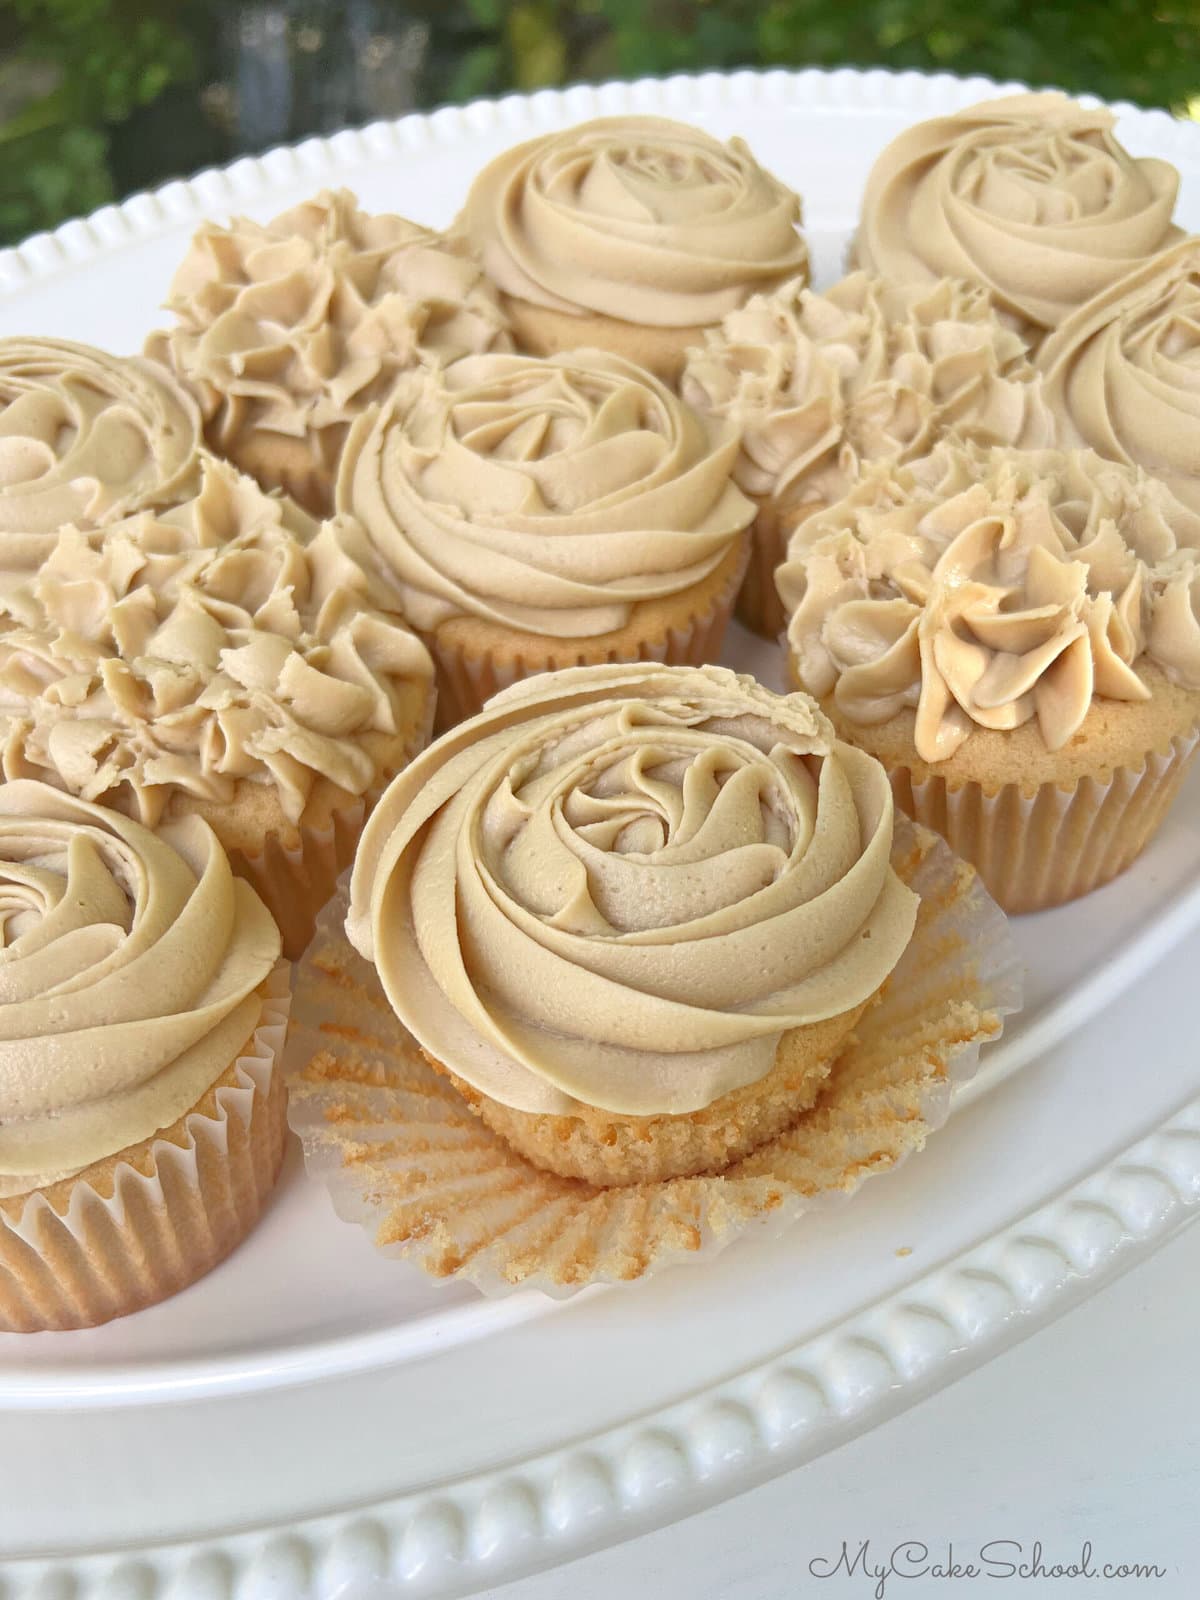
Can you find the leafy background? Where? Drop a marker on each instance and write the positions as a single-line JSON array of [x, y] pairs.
[[100, 97]]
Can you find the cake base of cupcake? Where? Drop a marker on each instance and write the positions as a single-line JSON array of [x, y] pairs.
[[475, 659], [138, 1226], [606, 1148], [759, 607], [1043, 827], [543, 331]]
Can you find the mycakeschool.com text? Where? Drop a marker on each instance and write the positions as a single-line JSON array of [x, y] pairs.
[[885, 1570]]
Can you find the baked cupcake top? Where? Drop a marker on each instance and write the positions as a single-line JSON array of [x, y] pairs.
[[639, 218], [548, 495], [294, 325], [987, 588], [621, 885], [129, 964], [226, 641], [1123, 374], [85, 438], [823, 385], [1030, 194]]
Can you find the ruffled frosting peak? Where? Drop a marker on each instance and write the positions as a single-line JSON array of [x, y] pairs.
[[639, 218], [1030, 195], [985, 589], [621, 885], [870, 373], [228, 640], [294, 325], [549, 495], [128, 969], [85, 438]]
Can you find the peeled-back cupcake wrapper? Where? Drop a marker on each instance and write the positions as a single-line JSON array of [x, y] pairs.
[[1040, 850], [168, 1219], [295, 875], [403, 1156], [466, 682]]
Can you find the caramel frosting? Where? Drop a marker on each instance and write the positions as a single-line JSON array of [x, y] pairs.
[[129, 965], [621, 885], [295, 325], [1124, 374], [984, 589], [223, 642], [1030, 195], [638, 218], [85, 438], [548, 495], [825, 385]]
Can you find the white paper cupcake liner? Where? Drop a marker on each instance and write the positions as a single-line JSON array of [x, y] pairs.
[[403, 1156], [80, 1253]]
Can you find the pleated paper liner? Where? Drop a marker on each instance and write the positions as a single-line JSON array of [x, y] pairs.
[[1040, 850], [403, 1156], [136, 1228]]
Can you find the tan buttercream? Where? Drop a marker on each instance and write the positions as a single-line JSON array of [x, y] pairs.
[[639, 218], [85, 438], [824, 385], [225, 641], [985, 589], [622, 885], [547, 495], [1030, 195], [129, 965]]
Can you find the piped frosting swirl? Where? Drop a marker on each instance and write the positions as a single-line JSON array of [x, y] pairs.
[[227, 640], [548, 495], [129, 965], [870, 373], [621, 885], [984, 589], [639, 218], [1030, 195]]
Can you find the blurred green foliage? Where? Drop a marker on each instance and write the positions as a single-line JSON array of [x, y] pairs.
[[85, 111]]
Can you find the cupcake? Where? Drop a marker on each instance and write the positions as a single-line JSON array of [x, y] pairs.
[[1123, 375], [224, 660], [86, 438], [823, 386], [1030, 195], [541, 513], [141, 1110], [287, 331], [633, 913], [1014, 635], [632, 234]]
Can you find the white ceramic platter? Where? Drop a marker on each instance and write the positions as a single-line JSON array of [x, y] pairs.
[[316, 1420]]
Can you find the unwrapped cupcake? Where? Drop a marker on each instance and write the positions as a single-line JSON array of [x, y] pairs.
[[536, 513], [1015, 636], [142, 1009], [632, 234], [824, 386], [1030, 195], [287, 330], [1123, 375], [634, 913], [86, 438], [225, 660]]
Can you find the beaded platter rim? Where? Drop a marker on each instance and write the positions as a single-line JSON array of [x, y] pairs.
[[498, 1525]]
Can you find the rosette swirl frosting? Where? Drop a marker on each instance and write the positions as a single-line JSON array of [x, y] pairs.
[[1031, 195], [984, 589], [1124, 374], [621, 885], [227, 641], [824, 385], [294, 325], [85, 438], [549, 495], [129, 964], [639, 218]]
